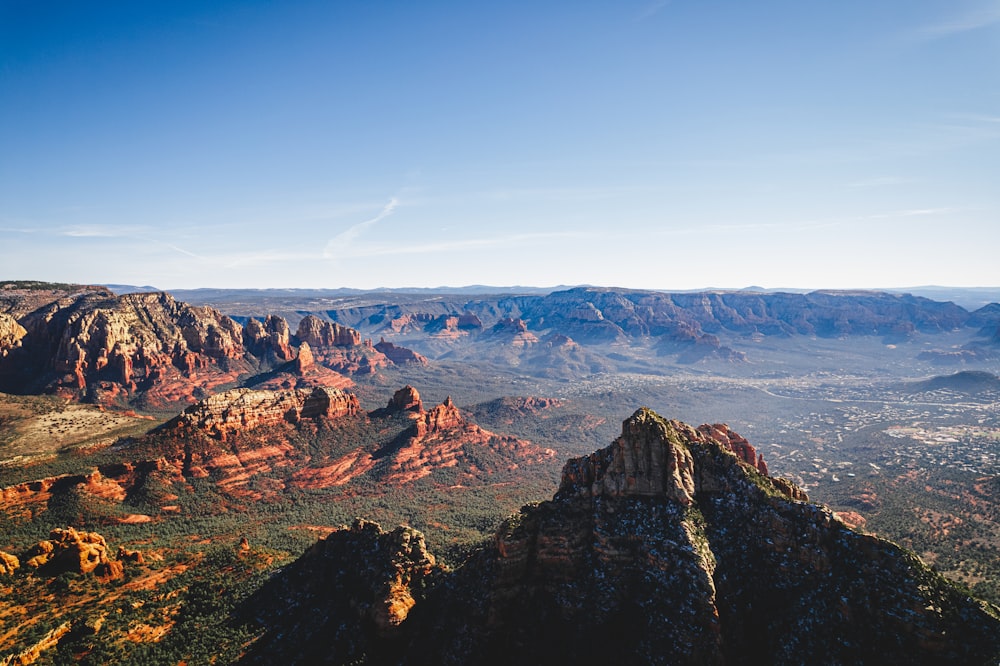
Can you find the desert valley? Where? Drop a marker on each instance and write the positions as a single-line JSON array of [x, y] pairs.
[[444, 477]]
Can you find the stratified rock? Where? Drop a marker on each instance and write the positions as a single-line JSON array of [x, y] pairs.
[[513, 332], [112, 349], [319, 333], [400, 355], [245, 409], [736, 443], [305, 361], [679, 546]]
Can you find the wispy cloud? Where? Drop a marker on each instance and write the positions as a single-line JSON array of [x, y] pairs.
[[972, 20], [102, 231], [181, 250], [452, 245], [878, 181], [339, 244], [911, 212]]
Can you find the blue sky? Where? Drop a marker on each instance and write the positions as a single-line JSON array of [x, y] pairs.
[[671, 144]]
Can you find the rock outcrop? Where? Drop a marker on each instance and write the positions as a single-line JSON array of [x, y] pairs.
[[245, 409], [305, 361], [319, 333], [11, 333], [8, 563], [406, 399], [67, 550], [268, 337], [389, 572], [668, 547], [400, 355], [435, 439]]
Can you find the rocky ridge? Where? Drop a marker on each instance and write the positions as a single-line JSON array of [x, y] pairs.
[[690, 326], [151, 351], [670, 546], [436, 438]]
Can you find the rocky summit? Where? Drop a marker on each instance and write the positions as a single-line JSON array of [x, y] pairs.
[[671, 546]]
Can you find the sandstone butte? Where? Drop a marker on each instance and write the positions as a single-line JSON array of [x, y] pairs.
[[245, 409], [671, 546]]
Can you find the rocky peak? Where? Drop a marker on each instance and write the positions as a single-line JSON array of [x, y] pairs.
[[305, 360], [440, 417], [406, 399], [674, 544], [358, 605], [319, 333], [270, 336], [654, 456], [651, 457]]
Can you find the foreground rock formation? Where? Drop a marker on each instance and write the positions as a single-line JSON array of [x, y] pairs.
[[670, 547]]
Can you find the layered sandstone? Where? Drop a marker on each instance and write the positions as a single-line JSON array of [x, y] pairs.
[[319, 333], [513, 332], [406, 399], [246, 409], [436, 438], [157, 353]]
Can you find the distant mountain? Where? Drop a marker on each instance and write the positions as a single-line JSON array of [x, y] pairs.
[[968, 381], [970, 298], [671, 546]]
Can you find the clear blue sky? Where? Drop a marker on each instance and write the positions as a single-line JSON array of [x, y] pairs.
[[669, 144]]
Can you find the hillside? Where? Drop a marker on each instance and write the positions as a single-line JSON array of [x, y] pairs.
[[666, 547]]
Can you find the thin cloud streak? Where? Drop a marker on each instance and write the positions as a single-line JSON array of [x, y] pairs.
[[467, 244], [973, 20], [337, 245], [102, 231]]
